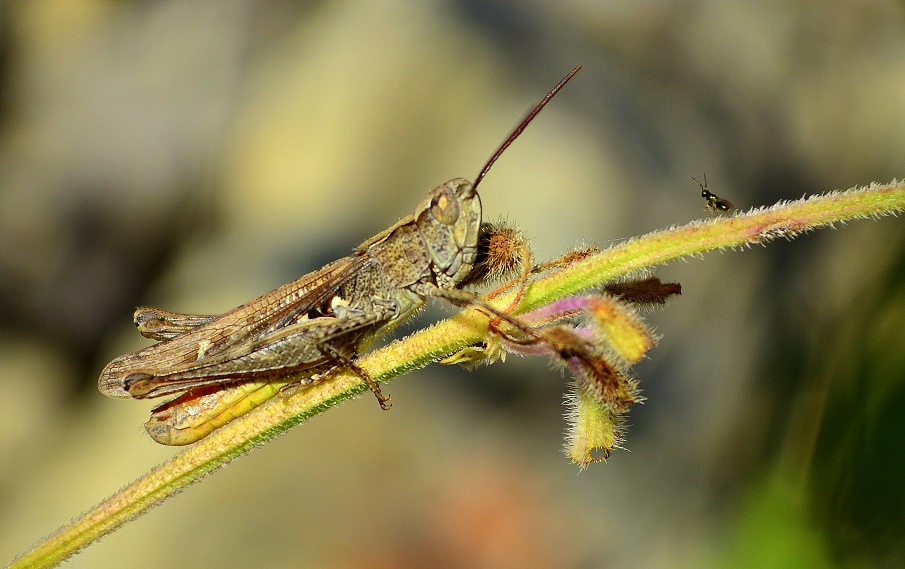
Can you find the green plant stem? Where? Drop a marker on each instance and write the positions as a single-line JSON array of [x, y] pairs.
[[466, 328]]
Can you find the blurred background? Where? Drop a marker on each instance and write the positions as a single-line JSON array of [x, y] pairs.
[[193, 156]]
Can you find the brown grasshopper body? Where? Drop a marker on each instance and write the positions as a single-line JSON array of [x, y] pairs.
[[319, 322]]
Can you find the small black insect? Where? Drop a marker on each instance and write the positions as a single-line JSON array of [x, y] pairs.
[[715, 203]]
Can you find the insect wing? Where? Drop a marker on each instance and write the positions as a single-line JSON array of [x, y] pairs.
[[231, 335], [308, 345]]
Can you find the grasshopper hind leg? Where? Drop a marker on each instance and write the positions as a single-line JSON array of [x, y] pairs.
[[157, 324], [342, 362], [348, 363]]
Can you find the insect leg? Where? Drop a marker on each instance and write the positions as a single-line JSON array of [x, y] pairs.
[[347, 362], [157, 324], [197, 413], [463, 297]]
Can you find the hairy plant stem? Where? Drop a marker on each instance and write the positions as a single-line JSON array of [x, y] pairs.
[[469, 327]]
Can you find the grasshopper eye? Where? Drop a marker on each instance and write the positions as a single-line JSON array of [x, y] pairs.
[[445, 208]]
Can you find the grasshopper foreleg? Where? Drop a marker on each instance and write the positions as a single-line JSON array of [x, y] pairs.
[[464, 297]]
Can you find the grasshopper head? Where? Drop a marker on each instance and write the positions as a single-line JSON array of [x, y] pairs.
[[449, 220]]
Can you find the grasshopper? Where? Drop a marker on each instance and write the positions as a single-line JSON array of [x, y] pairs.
[[320, 322]]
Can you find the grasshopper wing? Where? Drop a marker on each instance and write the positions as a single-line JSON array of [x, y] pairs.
[[314, 344], [233, 334]]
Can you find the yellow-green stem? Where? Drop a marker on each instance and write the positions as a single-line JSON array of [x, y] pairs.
[[466, 328]]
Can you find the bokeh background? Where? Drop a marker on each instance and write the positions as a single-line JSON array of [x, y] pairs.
[[193, 155]]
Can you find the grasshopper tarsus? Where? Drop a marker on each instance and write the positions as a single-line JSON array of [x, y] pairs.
[[290, 389]]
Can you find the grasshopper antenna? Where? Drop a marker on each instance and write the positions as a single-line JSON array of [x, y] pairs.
[[525, 121]]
